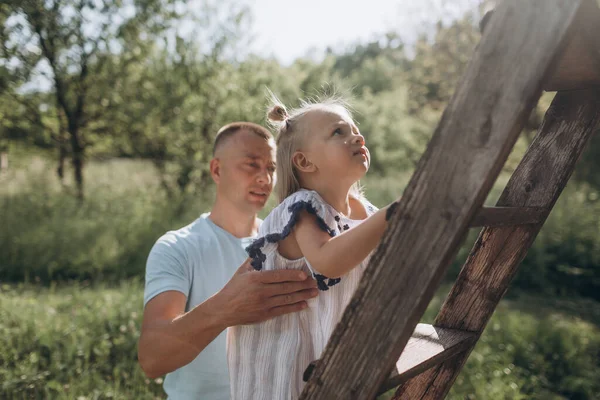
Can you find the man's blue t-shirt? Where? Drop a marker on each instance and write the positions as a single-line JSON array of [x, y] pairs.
[[197, 260]]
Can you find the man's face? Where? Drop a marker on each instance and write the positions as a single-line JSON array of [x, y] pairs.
[[246, 170]]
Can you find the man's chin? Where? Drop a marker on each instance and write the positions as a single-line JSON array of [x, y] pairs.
[[257, 202]]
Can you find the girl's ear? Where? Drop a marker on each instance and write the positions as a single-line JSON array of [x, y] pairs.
[[302, 163]]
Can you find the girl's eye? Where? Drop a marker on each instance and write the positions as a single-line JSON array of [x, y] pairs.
[[338, 131]]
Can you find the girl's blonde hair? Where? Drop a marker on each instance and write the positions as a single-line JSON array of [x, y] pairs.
[[289, 132]]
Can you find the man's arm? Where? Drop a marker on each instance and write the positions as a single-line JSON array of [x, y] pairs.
[[171, 338]]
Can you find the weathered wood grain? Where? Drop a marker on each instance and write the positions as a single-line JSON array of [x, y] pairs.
[[475, 135], [571, 120], [507, 216], [579, 65], [428, 346]]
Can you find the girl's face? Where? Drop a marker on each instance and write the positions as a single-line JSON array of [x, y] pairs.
[[334, 145]]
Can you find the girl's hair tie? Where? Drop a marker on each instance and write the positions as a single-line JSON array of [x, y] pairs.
[[278, 113]]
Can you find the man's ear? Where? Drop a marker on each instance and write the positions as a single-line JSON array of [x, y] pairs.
[[215, 169], [302, 163]]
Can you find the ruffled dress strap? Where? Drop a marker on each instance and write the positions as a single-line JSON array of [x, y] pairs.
[[280, 222]]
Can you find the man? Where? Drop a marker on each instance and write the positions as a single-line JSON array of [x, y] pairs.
[[194, 288]]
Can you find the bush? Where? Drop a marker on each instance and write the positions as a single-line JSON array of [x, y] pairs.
[[50, 235], [524, 356], [72, 342], [532, 348], [565, 258]]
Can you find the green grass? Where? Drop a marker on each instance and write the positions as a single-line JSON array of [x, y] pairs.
[[72, 342], [80, 341]]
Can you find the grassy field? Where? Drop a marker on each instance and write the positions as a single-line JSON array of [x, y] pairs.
[[71, 291], [79, 342], [75, 342]]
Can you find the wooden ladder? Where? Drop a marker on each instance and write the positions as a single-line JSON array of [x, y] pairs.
[[526, 47]]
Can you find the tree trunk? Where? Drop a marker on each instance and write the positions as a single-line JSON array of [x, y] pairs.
[[77, 158], [78, 171], [62, 155], [61, 140]]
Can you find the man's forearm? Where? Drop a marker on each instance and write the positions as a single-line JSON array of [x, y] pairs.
[[168, 345]]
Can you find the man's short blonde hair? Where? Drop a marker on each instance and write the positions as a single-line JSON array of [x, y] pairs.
[[231, 129]]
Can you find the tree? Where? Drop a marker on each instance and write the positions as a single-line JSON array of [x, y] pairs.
[[377, 65], [438, 66], [174, 101], [68, 42]]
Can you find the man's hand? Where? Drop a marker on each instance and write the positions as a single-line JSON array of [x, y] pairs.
[[172, 338], [253, 296]]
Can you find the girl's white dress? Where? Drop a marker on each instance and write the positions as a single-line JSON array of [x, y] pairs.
[[267, 360]]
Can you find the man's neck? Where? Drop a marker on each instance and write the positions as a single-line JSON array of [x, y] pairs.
[[240, 224]]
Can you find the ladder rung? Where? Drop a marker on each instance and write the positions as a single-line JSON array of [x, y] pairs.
[[428, 346], [508, 216]]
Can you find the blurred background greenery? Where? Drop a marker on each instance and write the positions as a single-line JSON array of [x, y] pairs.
[[107, 114]]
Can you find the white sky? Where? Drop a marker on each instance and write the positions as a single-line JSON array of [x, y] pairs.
[[287, 29]]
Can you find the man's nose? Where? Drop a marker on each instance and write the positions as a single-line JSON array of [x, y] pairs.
[[264, 176]]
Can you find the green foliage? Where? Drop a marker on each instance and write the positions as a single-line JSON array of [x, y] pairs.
[[438, 66], [73, 43], [72, 342], [532, 348], [163, 101], [524, 356], [375, 66], [108, 237], [565, 258], [395, 138], [53, 236]]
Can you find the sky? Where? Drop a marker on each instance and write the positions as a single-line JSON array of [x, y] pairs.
[[287, 29]]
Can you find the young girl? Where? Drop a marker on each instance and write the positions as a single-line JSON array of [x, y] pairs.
[[324, 226]]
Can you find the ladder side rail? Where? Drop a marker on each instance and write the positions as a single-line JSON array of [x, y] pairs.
[[571, 120]]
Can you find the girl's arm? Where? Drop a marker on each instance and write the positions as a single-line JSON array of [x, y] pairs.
[[335, 256]]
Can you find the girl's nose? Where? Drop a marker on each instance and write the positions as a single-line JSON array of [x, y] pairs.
[[358, 138]]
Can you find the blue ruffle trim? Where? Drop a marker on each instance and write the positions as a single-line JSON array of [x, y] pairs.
[[258, 257]]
